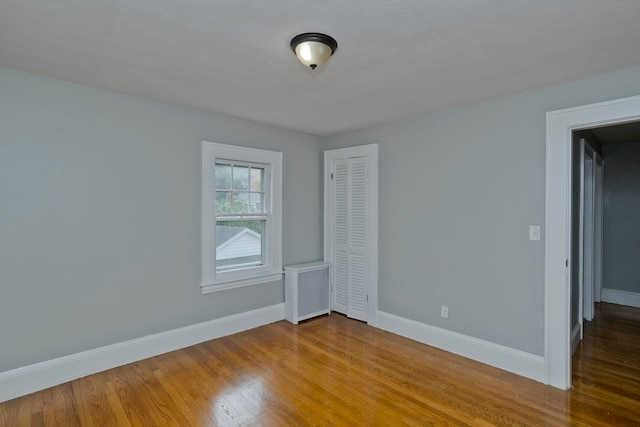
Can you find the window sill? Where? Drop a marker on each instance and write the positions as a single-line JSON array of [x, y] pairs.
[[239, 283]]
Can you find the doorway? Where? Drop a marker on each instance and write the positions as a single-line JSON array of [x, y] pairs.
[[560, 125], [617, 146]]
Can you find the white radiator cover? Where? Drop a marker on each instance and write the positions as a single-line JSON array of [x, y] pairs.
[[306, 291]]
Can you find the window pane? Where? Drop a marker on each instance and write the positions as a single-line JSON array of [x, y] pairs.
[[239, 244], [240, 202], [223, 177], [223, 201], [257, 178], [255, 201], [240, 178]]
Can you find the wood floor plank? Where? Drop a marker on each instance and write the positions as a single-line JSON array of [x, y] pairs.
[[339, 372], [93, 406]]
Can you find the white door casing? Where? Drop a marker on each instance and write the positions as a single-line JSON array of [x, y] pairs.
[[587, 230], [351, 229], [560, 125], [581, 243], [597, 266]]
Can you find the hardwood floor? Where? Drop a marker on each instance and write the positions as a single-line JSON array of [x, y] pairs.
[[606, 366], [336, 371]]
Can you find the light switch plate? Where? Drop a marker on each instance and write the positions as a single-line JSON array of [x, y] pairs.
[[534, 232]]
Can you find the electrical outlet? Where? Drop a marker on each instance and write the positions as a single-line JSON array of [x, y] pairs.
[[444, 312]]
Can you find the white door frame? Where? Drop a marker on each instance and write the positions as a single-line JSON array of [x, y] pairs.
[[597, 267], [370, 151], [587, 235], [560, 125]]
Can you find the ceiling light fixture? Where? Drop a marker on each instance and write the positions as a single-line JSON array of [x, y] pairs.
[[313, 49]]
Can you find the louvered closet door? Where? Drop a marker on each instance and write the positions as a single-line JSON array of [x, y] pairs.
[[350, 237]]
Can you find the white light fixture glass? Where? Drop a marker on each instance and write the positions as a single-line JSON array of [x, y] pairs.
[[313, 49]]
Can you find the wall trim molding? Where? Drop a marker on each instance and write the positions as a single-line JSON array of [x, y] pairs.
[[614, 296], [506, 358], [28, 379]]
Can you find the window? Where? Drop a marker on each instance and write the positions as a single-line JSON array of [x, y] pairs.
[[241, 216]]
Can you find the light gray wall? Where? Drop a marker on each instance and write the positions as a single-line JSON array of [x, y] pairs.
[[100, 216], [458, 190], [621, 217]]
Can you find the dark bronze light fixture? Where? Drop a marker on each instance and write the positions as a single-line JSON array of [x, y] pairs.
[[313, 49]]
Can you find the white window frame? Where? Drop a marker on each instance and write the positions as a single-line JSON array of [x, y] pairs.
[[213, 280]]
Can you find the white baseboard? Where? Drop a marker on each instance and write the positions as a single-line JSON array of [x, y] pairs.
[[516, 361], [631, 299], [575, 338], [29, 379]]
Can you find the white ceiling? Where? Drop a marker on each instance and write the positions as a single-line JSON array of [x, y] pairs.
[[395, 59]]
